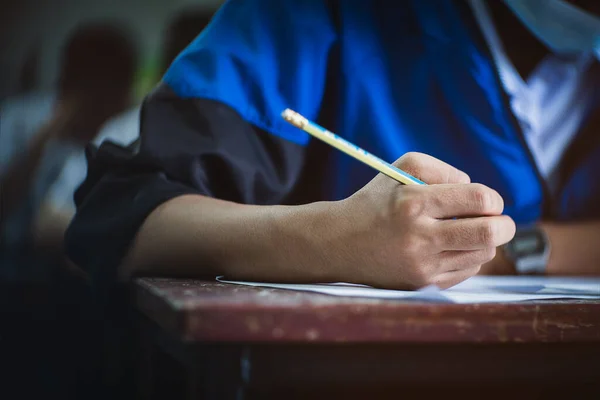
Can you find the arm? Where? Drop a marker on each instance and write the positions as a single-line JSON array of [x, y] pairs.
[[167, 212], [198, 236], [232, 147], [385, 235], [188, 147], [201, 195], [575, 248]]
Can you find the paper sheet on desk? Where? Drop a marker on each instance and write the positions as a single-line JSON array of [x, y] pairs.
[[478, 289]]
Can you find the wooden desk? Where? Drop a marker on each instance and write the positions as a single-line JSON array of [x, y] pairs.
[[267, 343]]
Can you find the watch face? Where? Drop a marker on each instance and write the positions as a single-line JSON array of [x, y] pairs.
[[526, 243]]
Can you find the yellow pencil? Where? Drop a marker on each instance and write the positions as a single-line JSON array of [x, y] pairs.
[[352, 150]]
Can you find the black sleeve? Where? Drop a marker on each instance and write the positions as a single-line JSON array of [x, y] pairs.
[[186, 146]]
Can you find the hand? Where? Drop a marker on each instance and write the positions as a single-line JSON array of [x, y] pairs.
[[406, 237]]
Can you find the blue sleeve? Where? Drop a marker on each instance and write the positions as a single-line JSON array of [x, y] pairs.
[[260, 57]]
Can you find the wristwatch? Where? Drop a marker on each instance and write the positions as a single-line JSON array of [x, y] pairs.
[[529, 250]]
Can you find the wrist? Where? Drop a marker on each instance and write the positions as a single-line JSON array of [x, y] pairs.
[[529, 250], [305, 237]]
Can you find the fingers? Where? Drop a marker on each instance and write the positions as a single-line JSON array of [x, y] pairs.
[[430, 170], [449, 201], [474, 233], [452, 278], [452, 267], [452, 261]]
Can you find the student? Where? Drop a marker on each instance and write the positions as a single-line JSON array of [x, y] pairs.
[[505, 91]]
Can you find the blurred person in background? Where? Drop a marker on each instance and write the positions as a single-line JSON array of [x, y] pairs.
[[116, 349], [122, 129], [179, 33], [38, 132]]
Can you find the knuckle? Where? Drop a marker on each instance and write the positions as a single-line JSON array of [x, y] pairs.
[[437, 240], [483, 198], [487, 234], [411, 207], [439, 198], [413, 246], [412, 157], [411, 162]]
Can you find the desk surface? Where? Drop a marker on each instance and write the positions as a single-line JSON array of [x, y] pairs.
[[201, 311]]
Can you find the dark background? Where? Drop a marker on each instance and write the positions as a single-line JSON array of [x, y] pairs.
[[37, 29]]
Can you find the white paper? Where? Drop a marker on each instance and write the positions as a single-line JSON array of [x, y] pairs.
[[478, 289]]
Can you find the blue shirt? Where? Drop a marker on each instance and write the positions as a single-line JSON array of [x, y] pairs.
[[407, 76], [413, 76]]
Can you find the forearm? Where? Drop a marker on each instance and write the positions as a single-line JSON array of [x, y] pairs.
[[575, 248], [198, 236]]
